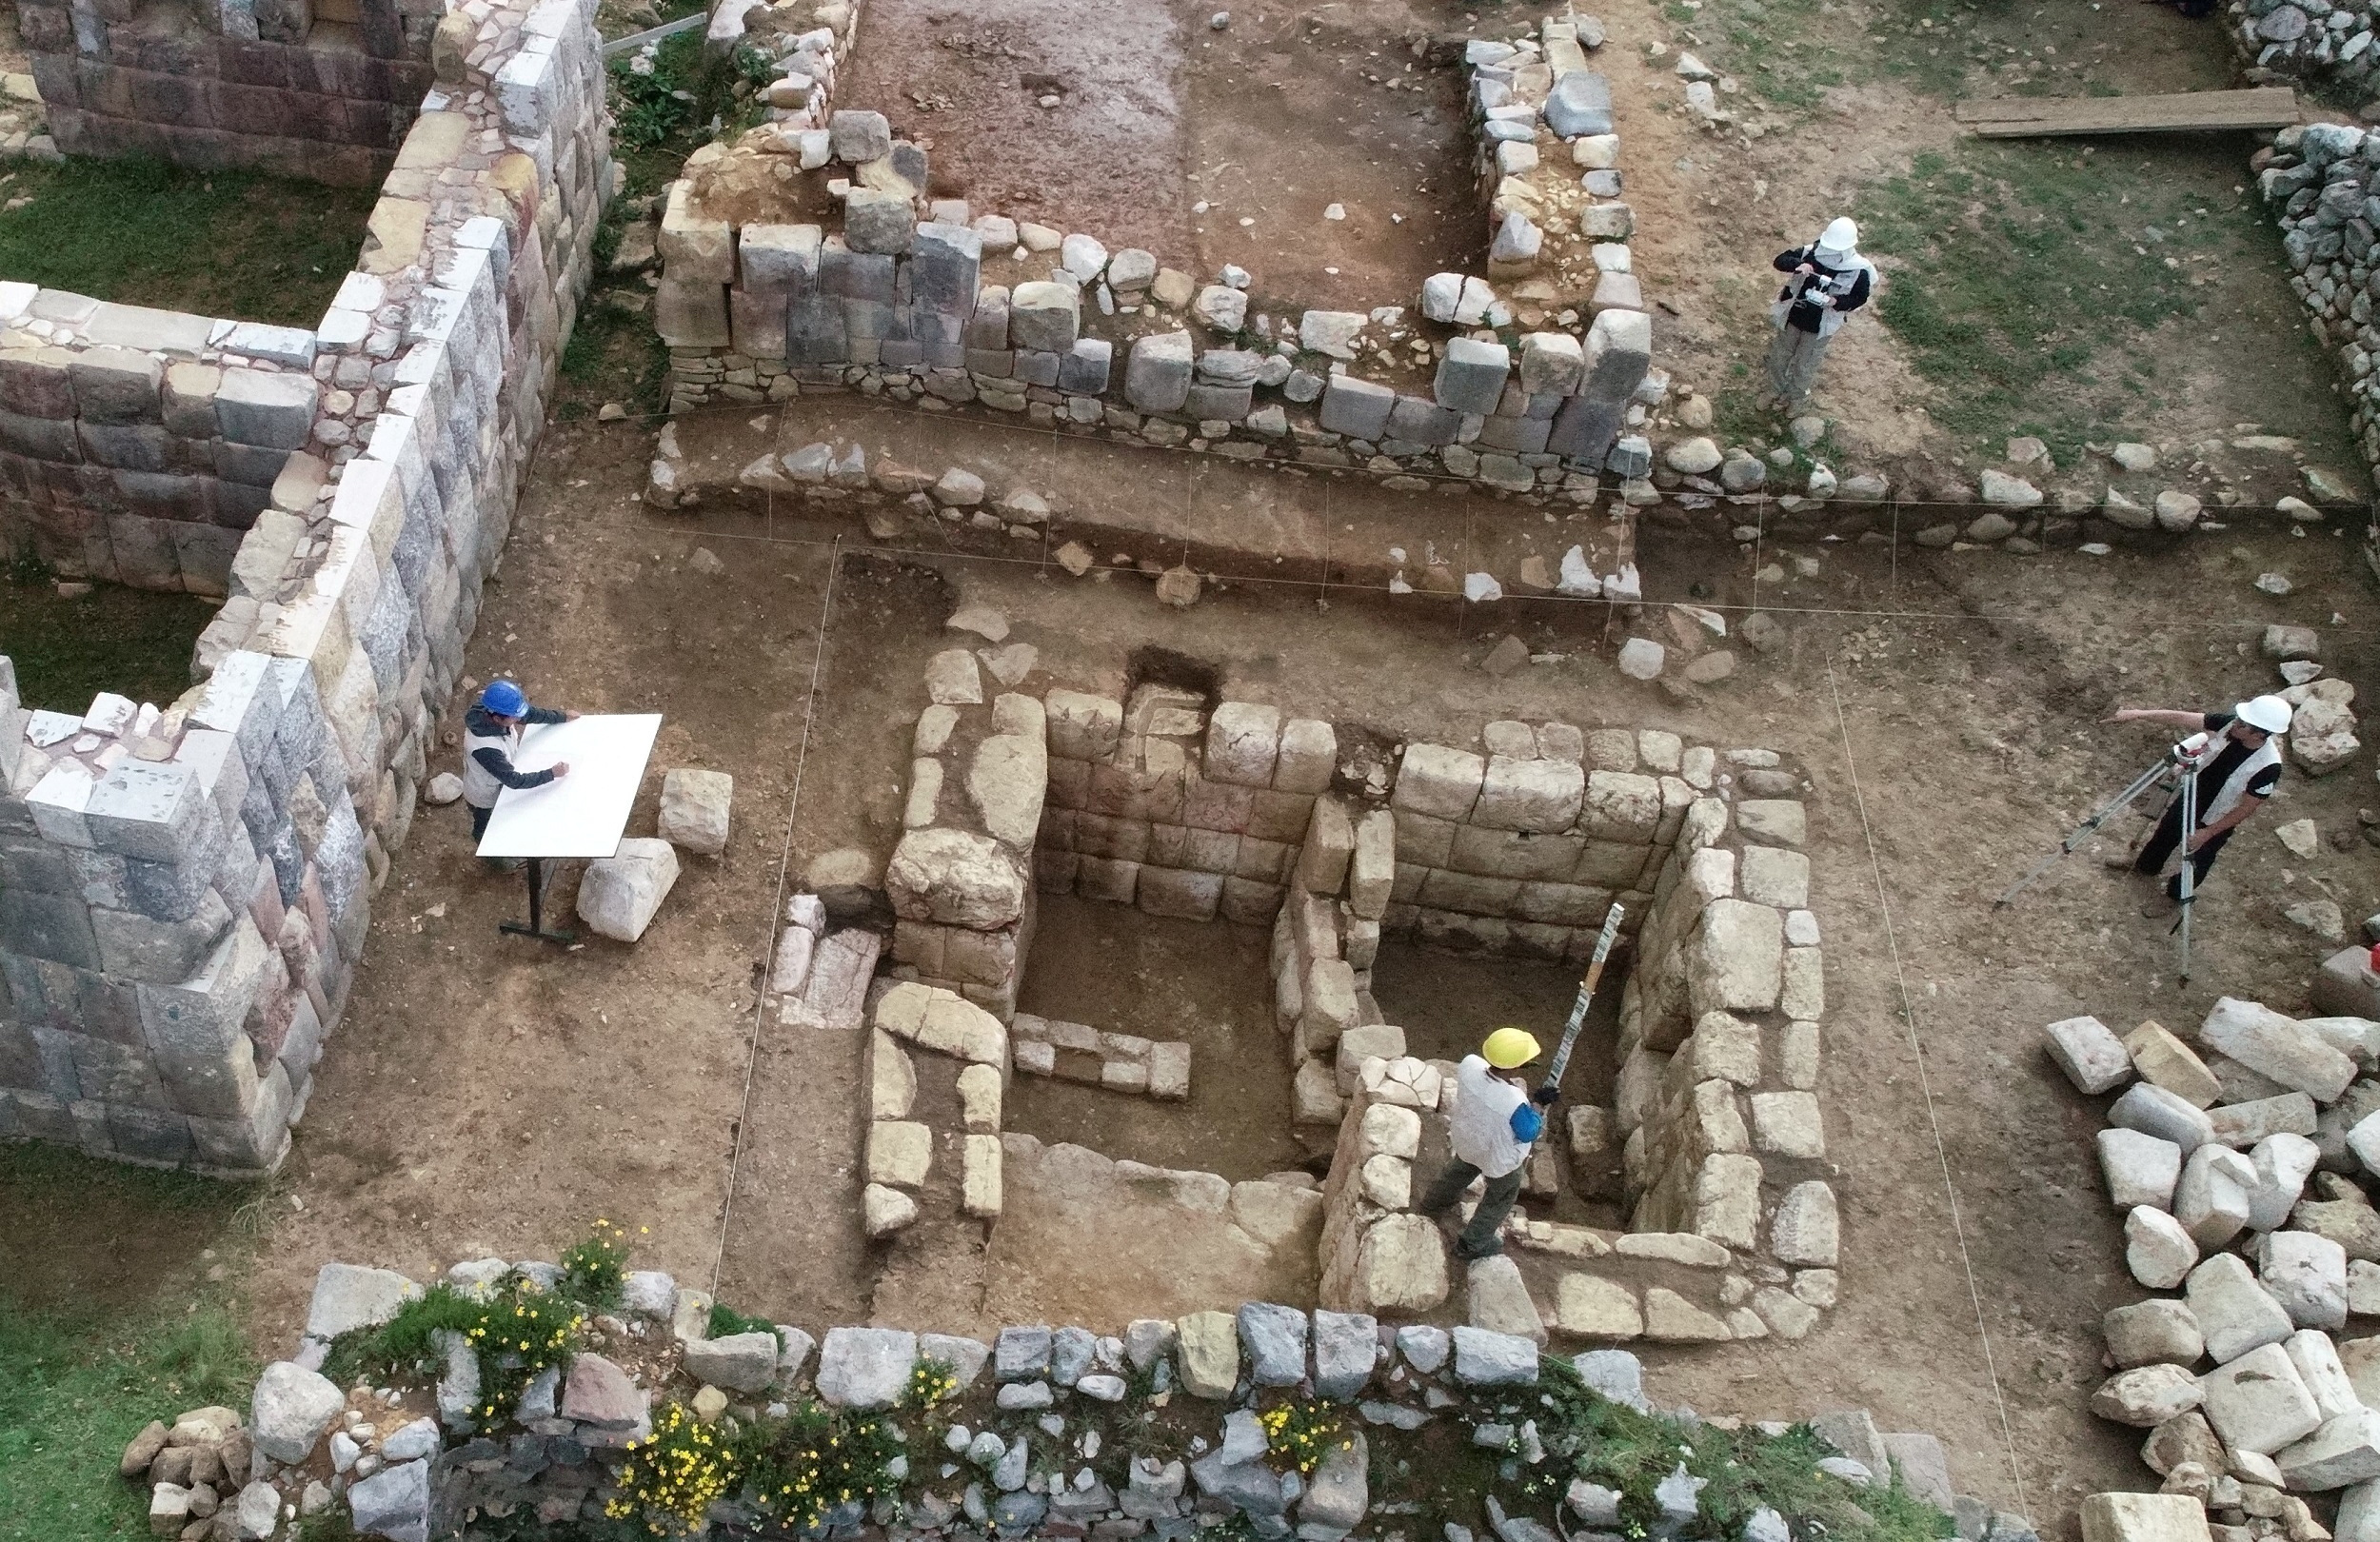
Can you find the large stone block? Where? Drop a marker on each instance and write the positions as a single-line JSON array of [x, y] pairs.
[[2235, 1312], [1471, 377], [117, 385], [1735, 959], [2258, 1402], [1529, 795], [2143, 1517], [1438, 781], [955, 877], [1358, 409], [2277, 1048], [694, 809], [276, 411], [2093, 1058], [879, 222], [619, 895], [1158, 371]]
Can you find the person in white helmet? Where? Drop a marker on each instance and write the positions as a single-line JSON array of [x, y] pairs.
[[2238, 757], [1825, 281]]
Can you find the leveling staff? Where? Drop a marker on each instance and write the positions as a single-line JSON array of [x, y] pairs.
[[2237, 755]]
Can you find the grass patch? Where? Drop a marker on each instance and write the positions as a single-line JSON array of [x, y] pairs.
[[2029, 279], [1589, 1436], [74, 1390], [67, 651], [106, 1320], [125, 230]]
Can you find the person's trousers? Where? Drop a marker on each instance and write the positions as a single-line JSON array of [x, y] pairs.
[[1478, 1240], [1793, 363], [2165, 838], [479, 820]]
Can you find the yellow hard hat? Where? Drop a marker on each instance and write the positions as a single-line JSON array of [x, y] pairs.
[[1508, 1049]]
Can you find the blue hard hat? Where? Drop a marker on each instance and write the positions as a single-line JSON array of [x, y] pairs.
[[503, 699]]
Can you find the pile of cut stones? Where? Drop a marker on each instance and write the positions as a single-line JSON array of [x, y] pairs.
[[2240, 1161]]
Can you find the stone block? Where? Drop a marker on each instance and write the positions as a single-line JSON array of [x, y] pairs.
[[1358, 409], [2139, 1168], [1471, 377], [2093, 1058], [2160, 1057], [694, 809], [1045, 317], [276, 411], [1528, 795], [2257, 1402], [2276, 1047], [2235, 1312], [1158, 371], [1438, 781], [619, 893], [2143, 1517]]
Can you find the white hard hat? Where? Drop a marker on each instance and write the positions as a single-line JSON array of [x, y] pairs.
[[2269, 714], [1840, 236]]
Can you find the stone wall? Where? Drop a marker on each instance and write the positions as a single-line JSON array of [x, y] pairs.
[[138, 445], [1733, 1228], [318, 91], [2324, 182], [2324, 46], [961, 878], [1042, 1430], [1525, 848], [885, 302], [184, 893], [1154, 803]]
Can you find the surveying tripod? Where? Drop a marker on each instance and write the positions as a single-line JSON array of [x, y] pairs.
[[2175, 759]]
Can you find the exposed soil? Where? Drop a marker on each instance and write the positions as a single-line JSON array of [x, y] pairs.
[[1205, 147], [1209, 983]]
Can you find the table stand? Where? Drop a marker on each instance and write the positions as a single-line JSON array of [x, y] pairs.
[[539, 876]]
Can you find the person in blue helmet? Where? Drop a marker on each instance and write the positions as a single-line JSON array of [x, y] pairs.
[[491, 737]]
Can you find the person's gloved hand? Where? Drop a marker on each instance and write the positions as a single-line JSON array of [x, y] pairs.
[[1546, 1097]]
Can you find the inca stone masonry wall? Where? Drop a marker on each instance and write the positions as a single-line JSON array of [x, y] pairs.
[[184, 893], [322, 92], [140, 446]]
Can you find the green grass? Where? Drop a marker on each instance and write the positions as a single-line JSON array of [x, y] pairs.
[[107, 1319], [2029, 278], [67, 651], [125, 230], [73, 1390]]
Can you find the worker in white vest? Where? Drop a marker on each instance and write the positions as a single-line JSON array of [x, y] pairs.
[[491, 737], [1494, 1121], [1825, 281], [2237, 755]]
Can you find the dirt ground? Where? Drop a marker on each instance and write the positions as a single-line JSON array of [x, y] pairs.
[[1207, 982], [489, 1094], [1205, 147]]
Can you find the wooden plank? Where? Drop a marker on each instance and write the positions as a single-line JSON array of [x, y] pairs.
[[2014, 117]]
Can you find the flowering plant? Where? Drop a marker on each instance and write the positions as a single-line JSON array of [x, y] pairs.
[[1302, 1433], [671, 1476]]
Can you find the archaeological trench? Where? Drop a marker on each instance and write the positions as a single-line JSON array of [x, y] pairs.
[[186, 888]]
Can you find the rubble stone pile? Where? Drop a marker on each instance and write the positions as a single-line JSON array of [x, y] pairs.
[[2240, 1157]]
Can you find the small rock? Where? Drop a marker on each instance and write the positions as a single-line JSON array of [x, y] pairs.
[[2300, 837]]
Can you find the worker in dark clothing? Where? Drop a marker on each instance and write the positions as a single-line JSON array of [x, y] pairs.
[[1825, 281], [491, 737], [2237, 756]]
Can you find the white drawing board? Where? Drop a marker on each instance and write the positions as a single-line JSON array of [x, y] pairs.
[[585, 813]]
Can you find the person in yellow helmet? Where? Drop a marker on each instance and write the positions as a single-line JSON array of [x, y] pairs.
[[1496, 1120]]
